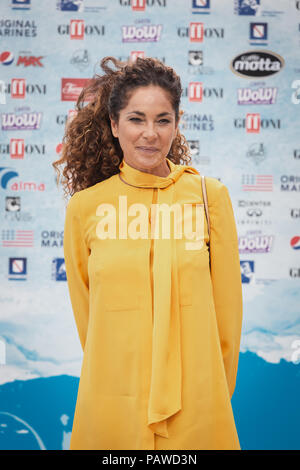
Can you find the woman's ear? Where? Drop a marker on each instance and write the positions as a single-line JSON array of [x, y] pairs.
[[114, 128]]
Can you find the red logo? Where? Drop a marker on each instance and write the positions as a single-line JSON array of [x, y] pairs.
[[196, 32], [30, 60], [16, 148], [138, 5], [77, 29], [71, 88], [253, 123], [195, 91], [18, 88]]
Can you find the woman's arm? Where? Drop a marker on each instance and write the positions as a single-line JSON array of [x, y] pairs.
[[76, 261], [226, 279]]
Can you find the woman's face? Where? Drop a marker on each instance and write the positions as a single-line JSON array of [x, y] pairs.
[[146, 130]]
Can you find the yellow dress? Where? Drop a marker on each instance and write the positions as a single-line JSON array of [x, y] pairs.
[[160, 333]]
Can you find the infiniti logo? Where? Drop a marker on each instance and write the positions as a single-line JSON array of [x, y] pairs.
[[254, 212]]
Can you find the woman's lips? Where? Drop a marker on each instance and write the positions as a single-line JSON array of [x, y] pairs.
[[148, 149]]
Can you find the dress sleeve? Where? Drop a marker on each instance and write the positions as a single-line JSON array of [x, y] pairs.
[[226, 281], [76, 255]]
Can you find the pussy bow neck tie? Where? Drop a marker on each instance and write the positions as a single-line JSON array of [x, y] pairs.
[[166, 375]]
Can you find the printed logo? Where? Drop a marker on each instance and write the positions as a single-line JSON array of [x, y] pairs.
[[17, 238], [20, 4], [262, 95], [195, 91], [255, 242], [196, 58], [27, 121], [76, 29], [71, 88], [201, 7], [196, 31], [80, 59], [257, 182], [52, 239], [138, 5], [70, 5], [258, 34], [144, 33], [247, 272], [6, 58], [247, 7], [257, 64], [196, 122], [18, 88], [12, 204], [21, 27], [295, 272], [295, 213], [88, 6], [296, 94], [295, 243], [17, 269], [253, 123], [290, 183], [257, 152], [59, 269], [6, 175], [16, 148]]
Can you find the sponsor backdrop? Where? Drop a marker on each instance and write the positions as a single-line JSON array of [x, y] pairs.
[[240, 67]]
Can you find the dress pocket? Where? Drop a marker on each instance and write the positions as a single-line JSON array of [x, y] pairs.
[[193, 265]]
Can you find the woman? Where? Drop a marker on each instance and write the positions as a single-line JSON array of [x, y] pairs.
[[159, 331]]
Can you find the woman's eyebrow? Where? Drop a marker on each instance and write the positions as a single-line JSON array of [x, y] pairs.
[[143, 114]]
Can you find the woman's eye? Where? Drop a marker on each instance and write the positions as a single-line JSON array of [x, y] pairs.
[[135, 119], [164, 121]]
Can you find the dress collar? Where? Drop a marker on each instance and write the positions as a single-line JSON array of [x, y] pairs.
[[138, 178]]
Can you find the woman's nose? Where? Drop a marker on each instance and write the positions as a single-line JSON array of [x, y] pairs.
[[150, 131]]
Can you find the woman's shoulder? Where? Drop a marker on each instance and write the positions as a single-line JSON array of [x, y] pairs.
[[86, 195], [215, 189]]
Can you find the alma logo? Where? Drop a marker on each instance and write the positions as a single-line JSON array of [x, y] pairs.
[[7, 173]]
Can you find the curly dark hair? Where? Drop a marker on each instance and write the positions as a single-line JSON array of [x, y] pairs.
[[90, 152]]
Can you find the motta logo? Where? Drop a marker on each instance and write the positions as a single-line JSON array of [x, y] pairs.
[[184, 220], [257, 64]]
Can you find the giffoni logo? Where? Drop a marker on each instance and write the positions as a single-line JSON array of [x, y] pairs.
[[133, 222]]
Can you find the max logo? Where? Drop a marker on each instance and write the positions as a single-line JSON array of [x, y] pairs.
[[6, 174]]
